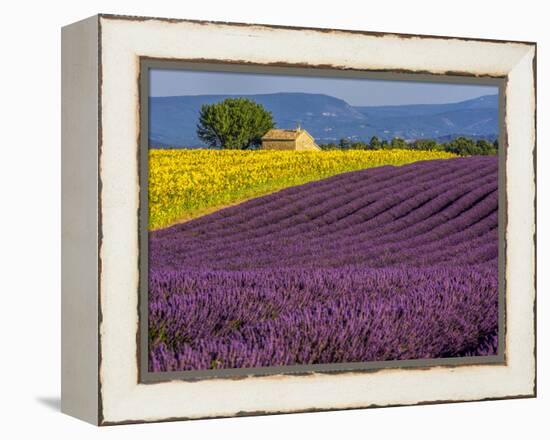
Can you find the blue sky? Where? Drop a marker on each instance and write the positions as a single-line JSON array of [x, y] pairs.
[[354, 91]]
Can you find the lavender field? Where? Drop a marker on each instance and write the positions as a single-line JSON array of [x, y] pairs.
[[387, 263]]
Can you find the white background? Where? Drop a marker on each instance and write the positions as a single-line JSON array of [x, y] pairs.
[[30, 218]]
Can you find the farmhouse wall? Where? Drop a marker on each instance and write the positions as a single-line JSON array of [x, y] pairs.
[[305, 143], [278, 145]]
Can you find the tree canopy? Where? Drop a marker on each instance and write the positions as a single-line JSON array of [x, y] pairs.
[[468, 147], [461, 146], [234, 123]]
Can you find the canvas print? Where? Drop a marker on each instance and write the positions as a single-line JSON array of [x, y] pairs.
[[303, 220]]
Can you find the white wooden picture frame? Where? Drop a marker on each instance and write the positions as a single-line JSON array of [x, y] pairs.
[[101, 59]]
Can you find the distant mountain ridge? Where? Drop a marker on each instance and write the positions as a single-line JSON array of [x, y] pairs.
[[173, 120]]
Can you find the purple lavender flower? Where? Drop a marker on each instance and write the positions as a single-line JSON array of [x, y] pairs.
[[388, 263]]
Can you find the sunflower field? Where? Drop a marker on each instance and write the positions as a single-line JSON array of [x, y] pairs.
[[184, 184]]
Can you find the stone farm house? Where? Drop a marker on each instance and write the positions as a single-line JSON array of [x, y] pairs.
[[298, 139]]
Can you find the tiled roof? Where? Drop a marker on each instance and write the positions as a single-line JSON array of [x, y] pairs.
[[277, 134]]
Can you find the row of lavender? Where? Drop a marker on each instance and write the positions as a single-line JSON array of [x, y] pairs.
[[379, 264]]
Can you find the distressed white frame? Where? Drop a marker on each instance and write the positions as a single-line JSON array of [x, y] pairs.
[[122, 41]]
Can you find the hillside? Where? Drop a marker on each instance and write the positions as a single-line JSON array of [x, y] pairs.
[[184, 183], [379, 264], [173, 119]]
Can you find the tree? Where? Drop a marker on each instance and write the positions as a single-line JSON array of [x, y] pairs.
[[462, 146], [374, 143], [425, 144], [397, 142], [344, 144], [359, 145], [234, 123], [485, 148]]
